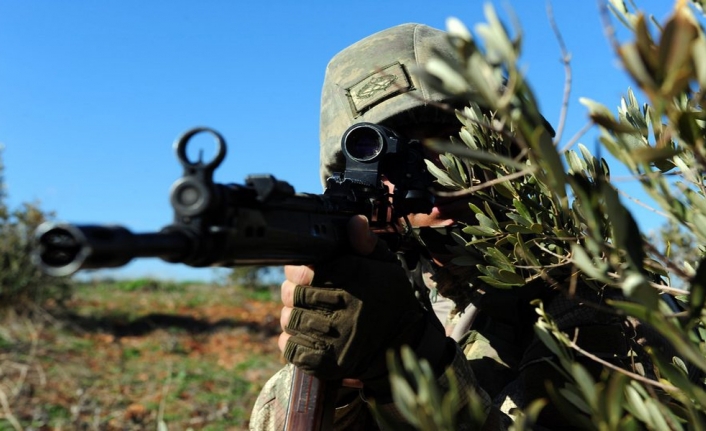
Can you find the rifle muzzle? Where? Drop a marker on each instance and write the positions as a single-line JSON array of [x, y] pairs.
[[62, 249]]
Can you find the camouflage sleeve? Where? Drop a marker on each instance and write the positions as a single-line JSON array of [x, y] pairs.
[[270, 410]]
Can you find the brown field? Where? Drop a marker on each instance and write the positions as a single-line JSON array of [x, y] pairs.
[[138, 355]]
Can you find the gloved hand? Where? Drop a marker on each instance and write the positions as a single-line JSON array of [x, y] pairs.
[[361, 306]]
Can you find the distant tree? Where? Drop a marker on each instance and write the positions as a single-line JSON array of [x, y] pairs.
[[21, 283], [252, 277]]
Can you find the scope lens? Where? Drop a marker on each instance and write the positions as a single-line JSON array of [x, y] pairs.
[[364, 144]]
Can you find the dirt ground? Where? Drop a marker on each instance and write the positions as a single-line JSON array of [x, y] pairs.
[[150, 357]]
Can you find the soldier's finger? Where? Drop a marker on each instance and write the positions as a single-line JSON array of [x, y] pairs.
[[287, 293], [284, 317], [299, 274], [365, 242], [362, 240], [282, 341]]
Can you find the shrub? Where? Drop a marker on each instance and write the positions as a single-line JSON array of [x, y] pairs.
[[22, 285]]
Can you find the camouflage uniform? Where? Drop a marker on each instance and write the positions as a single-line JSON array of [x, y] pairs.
[[498, 354], [270, 409]]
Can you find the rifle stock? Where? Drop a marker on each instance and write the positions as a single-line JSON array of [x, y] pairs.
[[311, 403], [262, 222]]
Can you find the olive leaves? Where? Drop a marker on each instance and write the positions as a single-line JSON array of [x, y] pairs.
[[545, 213]]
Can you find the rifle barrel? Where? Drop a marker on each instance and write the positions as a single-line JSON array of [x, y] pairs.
[[64, 248]]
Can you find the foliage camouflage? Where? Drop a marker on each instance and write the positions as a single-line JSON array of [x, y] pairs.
[[545, 212], [21, 282]]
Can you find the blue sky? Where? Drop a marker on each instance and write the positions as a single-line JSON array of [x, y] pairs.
[[93, 93]]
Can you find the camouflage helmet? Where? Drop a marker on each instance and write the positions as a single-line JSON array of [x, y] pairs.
[[371, 81]]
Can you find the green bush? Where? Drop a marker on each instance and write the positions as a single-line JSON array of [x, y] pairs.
[[257, 282], [22, 285]]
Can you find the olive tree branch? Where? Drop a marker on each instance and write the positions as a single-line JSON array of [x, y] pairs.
[[635, 376], [566, 61]]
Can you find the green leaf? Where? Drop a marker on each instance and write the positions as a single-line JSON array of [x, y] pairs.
[[654, 155], [499, 259], [657, 420], [523, 251], [549, 341], [674, 334], [636, 287], [516, 228], [576, 165], [696, 200], [636, 404], [511, 278], [699, 223], [575, 399], [452, 81], [521, 209], [699, 54], [467, 139], [442, 177], [496, 38], [491, 281], [454, 170], [440, 146], [506, 189], [479, 231], [613, 399], [458, 29], [633, 63], [626, 234], [520, 219], [550, 160], [537, 228], [675, 51], [585, 383], [697, 298], [585, 264], [487, 222], [603, 117], [679, 378]]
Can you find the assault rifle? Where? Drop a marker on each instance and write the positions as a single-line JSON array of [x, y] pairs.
[[262, 222]]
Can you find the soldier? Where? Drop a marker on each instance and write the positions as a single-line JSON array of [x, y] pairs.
[[339, 319]]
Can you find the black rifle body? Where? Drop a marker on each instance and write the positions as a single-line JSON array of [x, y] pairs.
[[262, 222]]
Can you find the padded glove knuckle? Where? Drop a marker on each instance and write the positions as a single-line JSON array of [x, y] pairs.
[[317, 298], [313, 358], [306, 321], [344, 330]]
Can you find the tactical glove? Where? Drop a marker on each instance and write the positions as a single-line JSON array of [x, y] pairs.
[[355, 310]]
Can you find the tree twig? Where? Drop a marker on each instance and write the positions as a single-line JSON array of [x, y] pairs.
[[566, 61], [486, 184], [614, 367], [642, 204], [576, 137]]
